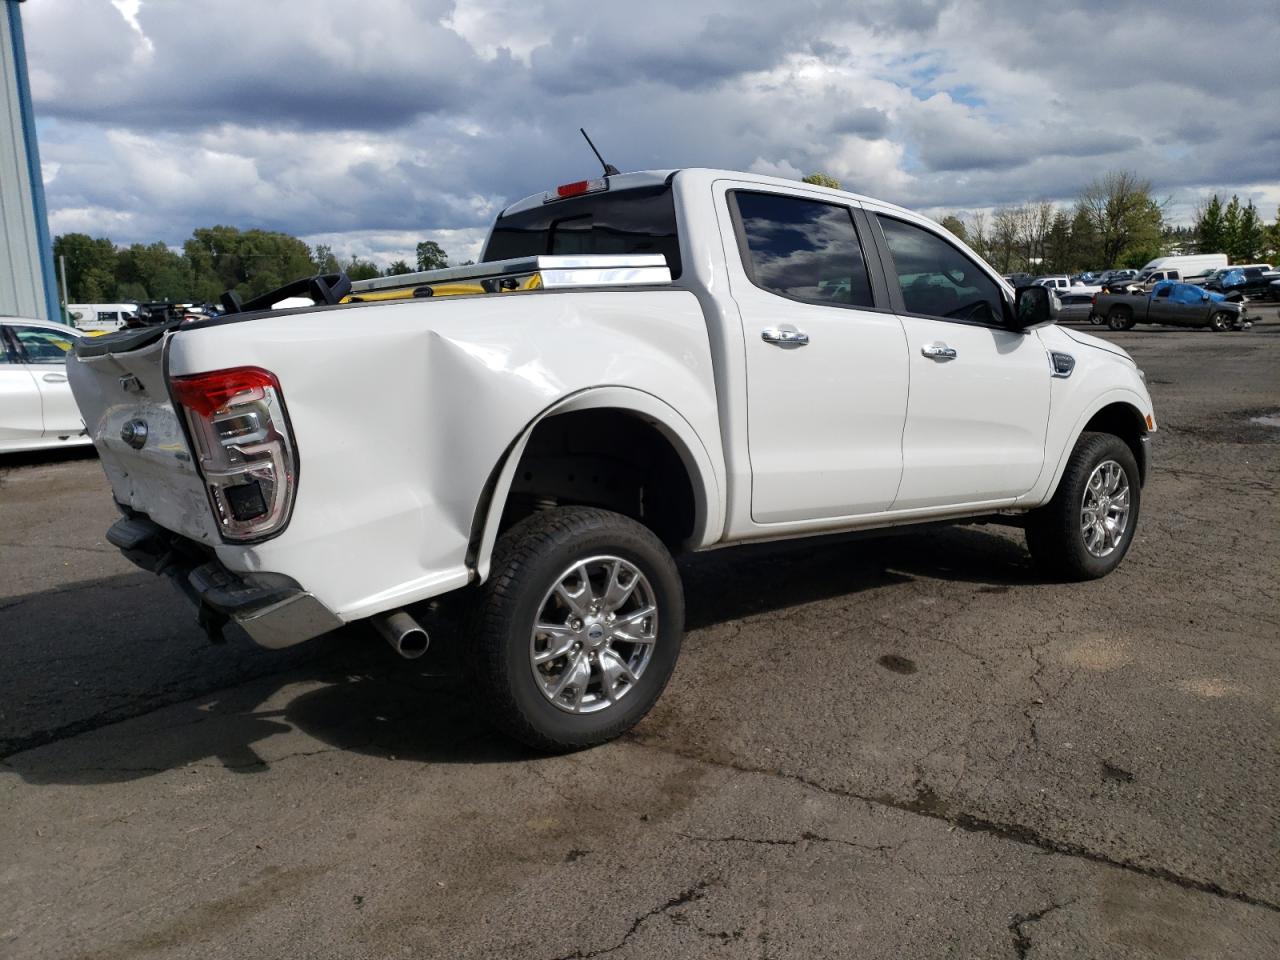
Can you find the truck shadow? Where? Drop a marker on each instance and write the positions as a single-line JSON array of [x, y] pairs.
[[50, 455], [349, 691]]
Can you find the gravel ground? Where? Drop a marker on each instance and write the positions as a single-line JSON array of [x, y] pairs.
[[895, 747]]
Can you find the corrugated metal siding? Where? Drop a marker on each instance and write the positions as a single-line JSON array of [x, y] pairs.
[[22, 280]]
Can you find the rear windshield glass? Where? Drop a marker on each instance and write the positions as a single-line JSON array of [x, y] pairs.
[[635, 220]]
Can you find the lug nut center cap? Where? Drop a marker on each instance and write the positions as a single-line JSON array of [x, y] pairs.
[[596, 634]]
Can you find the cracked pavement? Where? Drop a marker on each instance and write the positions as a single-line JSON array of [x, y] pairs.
[[902, 746]]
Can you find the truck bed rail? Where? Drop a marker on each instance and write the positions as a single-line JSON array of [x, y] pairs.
[[542, 272]]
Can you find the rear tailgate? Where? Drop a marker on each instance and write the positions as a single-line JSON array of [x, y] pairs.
[[119, 385]]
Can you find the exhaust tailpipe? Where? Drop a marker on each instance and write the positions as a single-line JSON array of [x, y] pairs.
[[403, 632]]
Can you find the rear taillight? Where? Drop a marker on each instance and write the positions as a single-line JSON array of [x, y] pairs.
[[245, 451]]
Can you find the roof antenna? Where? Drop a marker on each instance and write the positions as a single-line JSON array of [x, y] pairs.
[[609, 169]]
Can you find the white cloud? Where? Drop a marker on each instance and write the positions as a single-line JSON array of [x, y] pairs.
[[397, 120]]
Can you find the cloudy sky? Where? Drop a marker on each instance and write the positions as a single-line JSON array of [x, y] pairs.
[[370, 125]]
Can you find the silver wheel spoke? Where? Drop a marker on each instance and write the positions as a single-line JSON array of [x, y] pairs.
[[574, 601], [561, 639], [638, 615], [612, 669], [577, 674], [622, 583]]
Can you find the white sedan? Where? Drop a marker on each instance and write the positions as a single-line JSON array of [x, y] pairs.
[[37, 410]]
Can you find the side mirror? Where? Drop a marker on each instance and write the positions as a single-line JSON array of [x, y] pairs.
[[1204, 296], [1032, 306]]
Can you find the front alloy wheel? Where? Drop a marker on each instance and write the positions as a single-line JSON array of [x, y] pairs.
[[1104, 509]]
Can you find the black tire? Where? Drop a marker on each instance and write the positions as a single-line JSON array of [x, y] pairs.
[[1053, 531], [528, 559], [1221, 321], [1120, 318]]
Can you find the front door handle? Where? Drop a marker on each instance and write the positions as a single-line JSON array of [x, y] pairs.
[[938, 351], [785, 338], [55, 378]]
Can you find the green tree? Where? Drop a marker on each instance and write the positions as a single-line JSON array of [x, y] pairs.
[[153, 272], [1060, 255], [1084, 241], [91, 267], [251, 262], [398, 268], [323, 260], [1250, 236], [821, 180], [1210, 227], [431, 256], [357, 269], [956, 226], [1231, 225], [1125, 217]]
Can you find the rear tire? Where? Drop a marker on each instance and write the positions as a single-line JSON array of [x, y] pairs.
[[1079, 535], [1120, 318], [532, 564]]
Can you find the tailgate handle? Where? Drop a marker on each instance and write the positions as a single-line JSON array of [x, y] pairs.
[[55, 378]]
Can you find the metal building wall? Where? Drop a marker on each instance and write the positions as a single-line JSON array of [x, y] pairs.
[[27, 287]]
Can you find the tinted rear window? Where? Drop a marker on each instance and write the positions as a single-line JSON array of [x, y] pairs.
[[635, 220]]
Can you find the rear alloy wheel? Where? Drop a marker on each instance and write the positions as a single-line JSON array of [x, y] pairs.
[[1085, 530], [1221, 321], [1121, 318], [594, 634], [578, 627]]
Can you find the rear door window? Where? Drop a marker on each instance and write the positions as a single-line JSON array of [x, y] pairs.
[[802, 249], [937, 280]]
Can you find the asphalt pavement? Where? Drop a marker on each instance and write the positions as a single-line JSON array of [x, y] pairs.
[[902, 746]]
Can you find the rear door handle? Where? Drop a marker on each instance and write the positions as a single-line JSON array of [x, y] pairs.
[[938, 351], [785, 338], [55, 378]]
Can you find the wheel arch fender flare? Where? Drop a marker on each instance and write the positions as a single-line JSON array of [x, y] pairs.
[[1118, 396], [709, 505]]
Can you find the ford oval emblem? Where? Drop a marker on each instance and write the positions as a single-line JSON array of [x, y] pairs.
[[134, 433]]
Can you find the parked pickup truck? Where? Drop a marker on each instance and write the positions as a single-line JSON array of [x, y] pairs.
[[1171, 303], [1250, 280], [640, 365]]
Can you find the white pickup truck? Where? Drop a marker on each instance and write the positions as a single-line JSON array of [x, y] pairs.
[[641, 364]]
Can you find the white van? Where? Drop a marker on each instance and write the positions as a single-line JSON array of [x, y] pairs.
[[101, 316], [1176, 268]]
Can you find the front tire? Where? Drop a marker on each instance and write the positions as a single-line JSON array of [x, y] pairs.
[[1221, 321], [578, 628], [1085, 530]]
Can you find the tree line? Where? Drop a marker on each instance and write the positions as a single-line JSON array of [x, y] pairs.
[[1116, 221], [213, 260]]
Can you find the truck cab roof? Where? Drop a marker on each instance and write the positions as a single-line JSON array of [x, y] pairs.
[[644, 178]]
